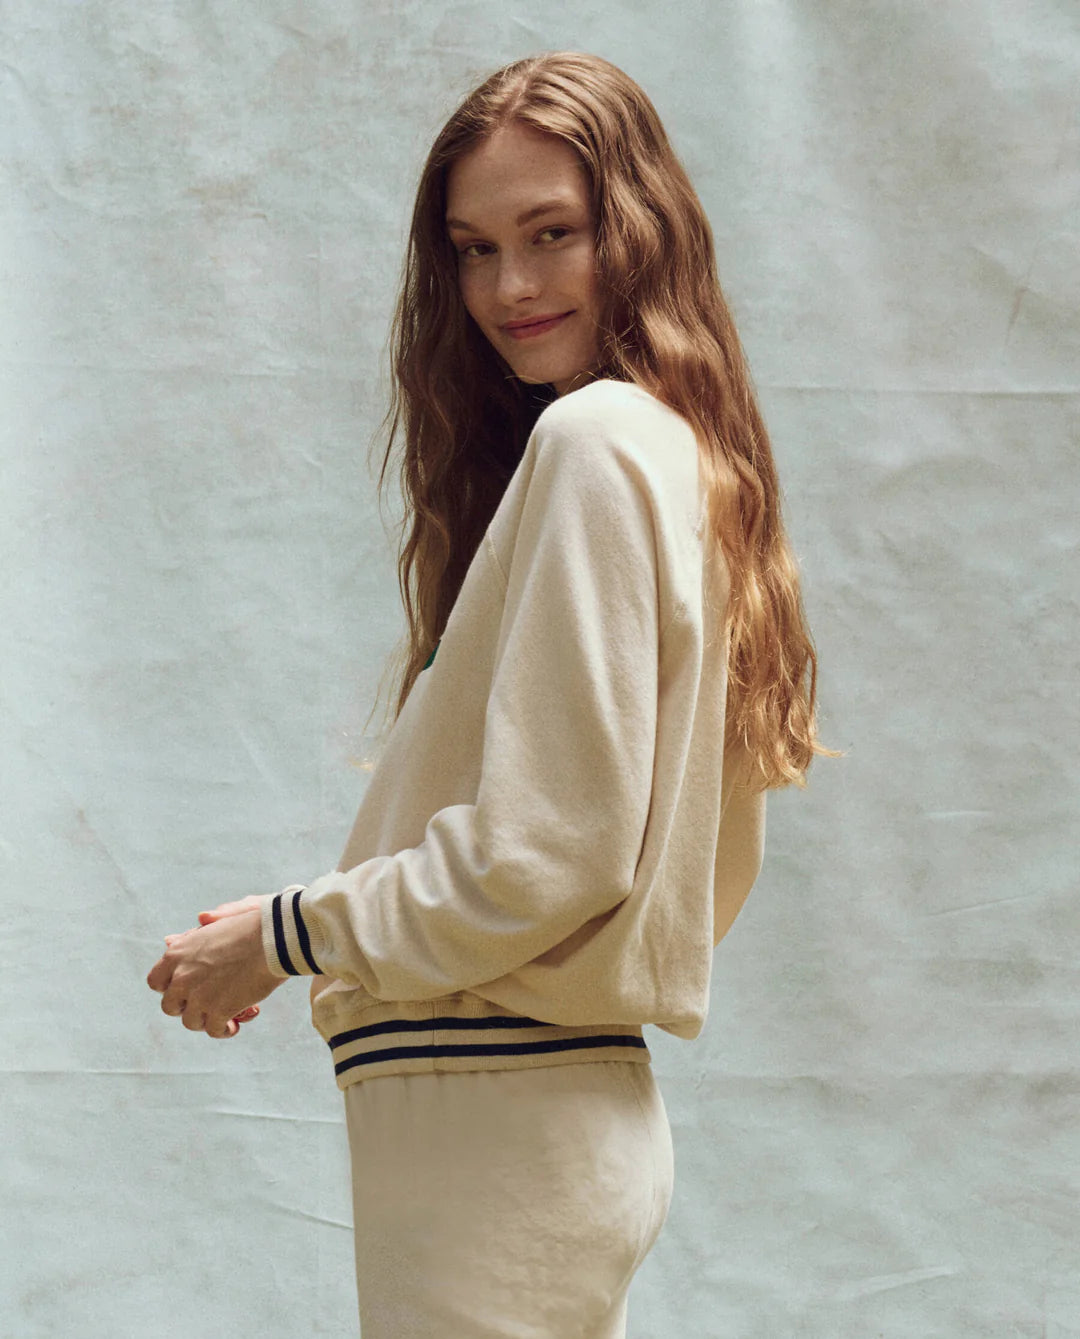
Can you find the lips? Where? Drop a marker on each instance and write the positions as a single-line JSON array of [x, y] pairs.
[[511, 326], [537, 329]]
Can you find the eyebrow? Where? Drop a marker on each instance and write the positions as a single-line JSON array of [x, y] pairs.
[[548, 207]]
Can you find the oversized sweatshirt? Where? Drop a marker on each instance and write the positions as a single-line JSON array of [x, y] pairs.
[[553, 840]]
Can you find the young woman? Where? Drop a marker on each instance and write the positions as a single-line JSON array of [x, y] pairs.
[[604, 674]]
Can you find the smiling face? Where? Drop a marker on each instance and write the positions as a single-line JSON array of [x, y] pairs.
[[518, 216]]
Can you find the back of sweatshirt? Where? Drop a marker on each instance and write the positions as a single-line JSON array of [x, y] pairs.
[[552, 841]]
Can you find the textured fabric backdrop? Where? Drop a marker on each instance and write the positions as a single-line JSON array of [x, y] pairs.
[[202, 218]]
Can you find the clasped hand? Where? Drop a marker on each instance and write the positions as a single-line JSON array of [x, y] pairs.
[[212, 977]]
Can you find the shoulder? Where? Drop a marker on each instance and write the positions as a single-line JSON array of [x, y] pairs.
[[613, 426], [610, 410]]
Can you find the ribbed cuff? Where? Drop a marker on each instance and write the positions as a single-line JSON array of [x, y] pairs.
[[285, 935]]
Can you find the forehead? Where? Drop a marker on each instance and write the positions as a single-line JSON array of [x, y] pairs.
[[514, 168]]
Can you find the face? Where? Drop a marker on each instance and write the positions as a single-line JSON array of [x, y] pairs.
[[518, 216]]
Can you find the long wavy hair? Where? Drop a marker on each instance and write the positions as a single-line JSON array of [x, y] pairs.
[[664, 324]]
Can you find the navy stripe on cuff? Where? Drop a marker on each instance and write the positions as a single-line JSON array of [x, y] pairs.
[[302, 933], [279, 940]]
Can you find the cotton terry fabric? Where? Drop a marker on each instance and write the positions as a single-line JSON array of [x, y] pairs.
[[557, 833], [506, 1204]]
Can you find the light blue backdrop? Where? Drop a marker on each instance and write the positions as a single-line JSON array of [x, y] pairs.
[[202, 217]]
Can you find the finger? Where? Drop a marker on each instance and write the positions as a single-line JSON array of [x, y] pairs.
[[194, 1019], [220, 1030], [159, 976], [229, 909], [219, 913], [172, 1005]]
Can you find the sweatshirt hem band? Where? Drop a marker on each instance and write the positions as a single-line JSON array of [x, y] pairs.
[[495, 1041]]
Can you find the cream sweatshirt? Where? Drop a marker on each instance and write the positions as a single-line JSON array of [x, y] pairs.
[[551, 843]]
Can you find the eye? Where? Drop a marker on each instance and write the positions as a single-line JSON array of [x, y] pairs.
[[465, 250]]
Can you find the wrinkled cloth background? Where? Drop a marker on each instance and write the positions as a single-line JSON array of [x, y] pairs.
[[202, 223]]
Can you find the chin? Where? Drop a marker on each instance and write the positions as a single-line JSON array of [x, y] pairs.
[[549, 371], [537, 378]]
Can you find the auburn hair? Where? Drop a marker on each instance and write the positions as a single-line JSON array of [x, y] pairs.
[[664, 324]]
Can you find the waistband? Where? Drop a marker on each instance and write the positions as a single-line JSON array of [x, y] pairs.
[[463, 1039]]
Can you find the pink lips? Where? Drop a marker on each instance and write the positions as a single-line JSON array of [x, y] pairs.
[[536, 327]]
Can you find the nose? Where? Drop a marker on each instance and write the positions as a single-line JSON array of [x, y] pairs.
[[517, 278]]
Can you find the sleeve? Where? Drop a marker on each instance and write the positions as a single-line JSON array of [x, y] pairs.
[[556, 832], [740, 853]]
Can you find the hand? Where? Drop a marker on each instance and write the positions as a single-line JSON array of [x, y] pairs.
[[213, 975], [207, 918]]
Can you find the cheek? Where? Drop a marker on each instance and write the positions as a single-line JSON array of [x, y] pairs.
[[584, 275], [463, 287], [472, 299]]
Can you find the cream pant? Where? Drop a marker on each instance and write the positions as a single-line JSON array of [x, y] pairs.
[[506, 1204]]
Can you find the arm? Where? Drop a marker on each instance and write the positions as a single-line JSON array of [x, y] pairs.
[[554, 837]]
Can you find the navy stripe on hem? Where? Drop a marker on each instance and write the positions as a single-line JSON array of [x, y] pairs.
[[426, 1024], [432, 1051], [511, 1048]]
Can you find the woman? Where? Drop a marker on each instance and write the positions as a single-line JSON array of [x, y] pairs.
[[604, 674]]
